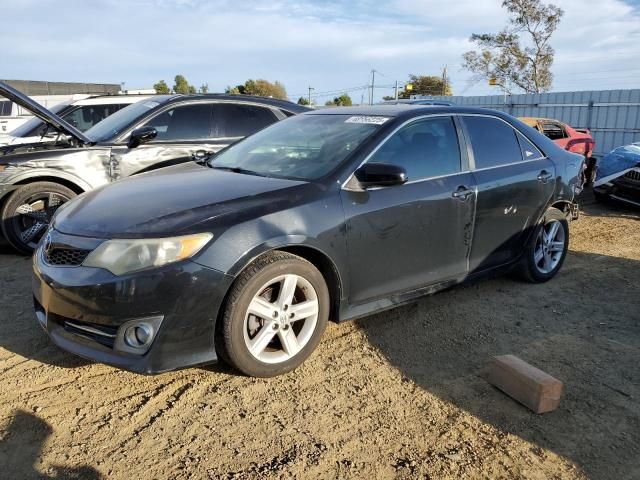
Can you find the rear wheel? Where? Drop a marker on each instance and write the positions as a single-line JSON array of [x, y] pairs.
[[28, 211], [275, 315], [545, 253]]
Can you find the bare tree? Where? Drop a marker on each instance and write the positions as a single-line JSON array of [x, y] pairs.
[[502, 57]]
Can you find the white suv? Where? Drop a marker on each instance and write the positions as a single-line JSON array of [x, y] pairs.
[[82, 114], [13, 115]]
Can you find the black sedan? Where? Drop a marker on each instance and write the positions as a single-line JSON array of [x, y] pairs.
[[334, 214]]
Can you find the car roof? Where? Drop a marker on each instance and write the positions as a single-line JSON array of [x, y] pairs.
[[417, 101], [405, 111], [273, 102], [112, 99]]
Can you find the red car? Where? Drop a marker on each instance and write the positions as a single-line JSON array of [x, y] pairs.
[[571, 139]]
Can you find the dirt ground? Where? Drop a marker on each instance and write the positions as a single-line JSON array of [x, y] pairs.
[[396, 395]]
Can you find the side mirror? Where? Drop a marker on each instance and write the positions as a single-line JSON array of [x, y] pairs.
[[142, 135], [380, 175]]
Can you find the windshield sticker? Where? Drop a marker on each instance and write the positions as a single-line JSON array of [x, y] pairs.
[[151, 104], [367, 120]]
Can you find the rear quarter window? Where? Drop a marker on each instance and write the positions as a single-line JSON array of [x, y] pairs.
[[493, 141]]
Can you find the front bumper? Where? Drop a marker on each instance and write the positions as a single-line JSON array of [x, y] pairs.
[[624, 189], [82, 310]]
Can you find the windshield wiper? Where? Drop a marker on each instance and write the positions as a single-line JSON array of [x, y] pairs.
[[237, 170]]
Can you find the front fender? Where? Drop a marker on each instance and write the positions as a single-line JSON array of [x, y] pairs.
[[20, 175], [281, 242]]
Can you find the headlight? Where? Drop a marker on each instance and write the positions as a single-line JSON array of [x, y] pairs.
[[124, 256]]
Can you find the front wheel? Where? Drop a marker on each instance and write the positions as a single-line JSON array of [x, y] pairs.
[[275, 315], [28, 211], [545, 253]]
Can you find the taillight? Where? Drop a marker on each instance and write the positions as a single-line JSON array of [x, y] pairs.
[[575, 144]]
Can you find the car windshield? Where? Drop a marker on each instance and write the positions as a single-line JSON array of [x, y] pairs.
[[305, 147], [116, 124], [31, 126]]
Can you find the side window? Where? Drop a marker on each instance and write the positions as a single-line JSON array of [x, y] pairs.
[[87, 116], [425, 148], [493, 141], [529, 150], [186, 122], [236, 120], [553, 130]]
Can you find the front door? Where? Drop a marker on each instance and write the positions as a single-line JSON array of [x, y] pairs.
[[408, 236], [515, 182]]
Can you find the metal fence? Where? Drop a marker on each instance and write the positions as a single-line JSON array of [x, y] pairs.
[[613, 116], [29, 87]]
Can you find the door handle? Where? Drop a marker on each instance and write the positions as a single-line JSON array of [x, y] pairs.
[[544, 176], [462, 193]]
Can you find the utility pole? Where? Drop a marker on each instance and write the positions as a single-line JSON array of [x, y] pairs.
[[310, 90], [444, 81], [373, 85], [396, 96]]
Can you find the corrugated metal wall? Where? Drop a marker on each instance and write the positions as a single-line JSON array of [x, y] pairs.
[[613, 116], [31, 88]]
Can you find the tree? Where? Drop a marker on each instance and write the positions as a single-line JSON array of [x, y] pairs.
[[303, 101], [427, 85], [386, 98], [502, 57], [260, 87], [162, 88], [182, 86], [204, 88], [343, 100]]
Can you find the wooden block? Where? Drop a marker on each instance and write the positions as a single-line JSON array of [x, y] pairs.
[[525, 383]]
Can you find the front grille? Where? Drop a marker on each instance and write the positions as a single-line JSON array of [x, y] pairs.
[[71, 257], [633, 176]]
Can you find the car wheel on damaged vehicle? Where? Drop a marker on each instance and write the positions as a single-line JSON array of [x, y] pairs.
[[545, 253], [275, 315], [28, 211]]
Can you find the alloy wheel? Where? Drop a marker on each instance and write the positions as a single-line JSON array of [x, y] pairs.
[[281, 319], [32, 218], [549, 246]]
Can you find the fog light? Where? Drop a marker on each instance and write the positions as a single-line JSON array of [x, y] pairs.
[[138, 335]]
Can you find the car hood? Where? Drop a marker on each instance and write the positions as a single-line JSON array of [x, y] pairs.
[[42, 113], [171, 201]]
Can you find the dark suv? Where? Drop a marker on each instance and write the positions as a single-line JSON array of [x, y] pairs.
[[35, 179]]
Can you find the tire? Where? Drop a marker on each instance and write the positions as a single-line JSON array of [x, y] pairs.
[[532, 267], [261, 286], [27, 212]]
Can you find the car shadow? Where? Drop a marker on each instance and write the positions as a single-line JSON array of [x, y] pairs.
[[582, 329], [21, 452]]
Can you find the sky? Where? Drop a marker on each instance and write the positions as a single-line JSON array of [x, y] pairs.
[[330, 45]]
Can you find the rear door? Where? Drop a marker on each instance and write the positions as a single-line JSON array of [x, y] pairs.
[[419, 233], [515, 182]]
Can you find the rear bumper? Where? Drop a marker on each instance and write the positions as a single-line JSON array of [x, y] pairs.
[[83, 311]]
